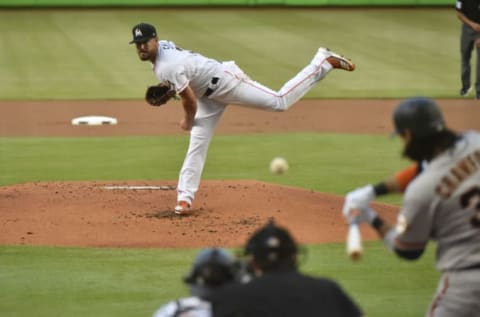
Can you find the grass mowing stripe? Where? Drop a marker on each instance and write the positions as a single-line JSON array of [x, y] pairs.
[[317, 161], [125, 282], [100, 282], [91, 59]]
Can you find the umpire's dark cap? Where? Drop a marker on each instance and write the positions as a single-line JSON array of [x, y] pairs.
[[271, 244], [420, 115], [143, 32]]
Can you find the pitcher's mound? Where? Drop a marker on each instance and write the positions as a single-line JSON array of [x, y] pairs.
[[140, 214]]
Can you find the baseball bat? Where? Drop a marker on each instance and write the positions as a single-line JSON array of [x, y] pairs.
[[354, 242]]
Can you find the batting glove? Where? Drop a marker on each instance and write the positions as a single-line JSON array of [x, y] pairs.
[[364, 215], [357, 203]]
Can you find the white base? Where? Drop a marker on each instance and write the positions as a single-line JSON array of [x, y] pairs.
[[94, 120]]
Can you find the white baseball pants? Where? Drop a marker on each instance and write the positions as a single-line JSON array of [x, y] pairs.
[[236, 88]]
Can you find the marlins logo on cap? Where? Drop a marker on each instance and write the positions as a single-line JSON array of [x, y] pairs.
[[143, 32]]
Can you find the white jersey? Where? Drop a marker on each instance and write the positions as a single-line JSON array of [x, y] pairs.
[[185, 68], [440, 204], [185, 307], [218, 84]]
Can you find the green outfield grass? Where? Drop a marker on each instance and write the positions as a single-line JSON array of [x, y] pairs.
[[84, 54], [134, 282], [317, 161]]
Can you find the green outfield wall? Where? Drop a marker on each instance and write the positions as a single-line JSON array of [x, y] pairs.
[[89, 3]]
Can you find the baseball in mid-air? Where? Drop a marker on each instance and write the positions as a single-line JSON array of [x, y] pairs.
[[279, 166]]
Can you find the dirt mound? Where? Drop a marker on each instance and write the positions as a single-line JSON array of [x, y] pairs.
[[139, 214]]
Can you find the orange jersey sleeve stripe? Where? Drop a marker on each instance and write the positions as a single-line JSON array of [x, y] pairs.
[[405, 176]]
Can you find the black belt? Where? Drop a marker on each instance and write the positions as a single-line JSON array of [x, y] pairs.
[[211, 86]]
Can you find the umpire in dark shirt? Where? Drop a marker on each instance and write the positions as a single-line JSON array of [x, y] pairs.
[[278, 288], [468, 11]]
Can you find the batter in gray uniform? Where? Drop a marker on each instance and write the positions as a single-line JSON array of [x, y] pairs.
[[206, 86], [442, 204]]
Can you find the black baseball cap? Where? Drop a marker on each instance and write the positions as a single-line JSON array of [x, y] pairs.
[[143, 32], [420, 115]]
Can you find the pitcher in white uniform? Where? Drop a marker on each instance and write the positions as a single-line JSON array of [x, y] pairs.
[[442, 204], [207, 86]]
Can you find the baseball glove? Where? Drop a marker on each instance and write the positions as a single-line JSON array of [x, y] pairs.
[[158, 95]]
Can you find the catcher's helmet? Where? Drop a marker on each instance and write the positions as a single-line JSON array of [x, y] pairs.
[[212, 267], [420, 115], [271, 246]]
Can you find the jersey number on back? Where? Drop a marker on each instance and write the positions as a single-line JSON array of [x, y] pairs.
[[471, 199]]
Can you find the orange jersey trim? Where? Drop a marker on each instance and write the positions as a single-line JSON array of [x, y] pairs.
[[405, 176]]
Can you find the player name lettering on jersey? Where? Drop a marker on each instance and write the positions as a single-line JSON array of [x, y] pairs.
[[457, 174]]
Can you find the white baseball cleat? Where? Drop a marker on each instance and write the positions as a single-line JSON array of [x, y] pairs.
[[182, 207], [336, 60]]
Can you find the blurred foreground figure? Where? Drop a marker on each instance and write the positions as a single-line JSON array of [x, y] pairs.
[[278, 288]]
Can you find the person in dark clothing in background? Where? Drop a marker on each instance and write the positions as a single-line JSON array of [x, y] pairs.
[[468, 11], [278, 288]]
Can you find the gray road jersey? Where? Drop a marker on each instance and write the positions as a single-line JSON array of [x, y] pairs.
[[440, 203]]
